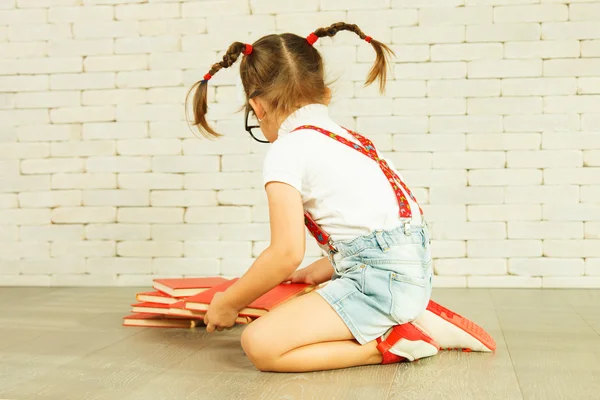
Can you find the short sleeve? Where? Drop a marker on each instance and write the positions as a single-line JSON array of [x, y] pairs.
[[284, 162]]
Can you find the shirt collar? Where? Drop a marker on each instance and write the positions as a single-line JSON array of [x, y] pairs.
[[311, 114]]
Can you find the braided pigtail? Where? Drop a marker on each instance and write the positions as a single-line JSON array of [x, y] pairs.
[[200, 88], [379, 69]]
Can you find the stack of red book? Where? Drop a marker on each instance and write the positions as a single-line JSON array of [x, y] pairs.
[[181, 303]]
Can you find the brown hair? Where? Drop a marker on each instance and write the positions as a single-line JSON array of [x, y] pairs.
[[285, 70]]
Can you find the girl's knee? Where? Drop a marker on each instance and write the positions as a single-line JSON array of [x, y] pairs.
[[257, 349]]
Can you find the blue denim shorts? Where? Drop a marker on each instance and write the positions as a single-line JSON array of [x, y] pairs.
[[380, 280]]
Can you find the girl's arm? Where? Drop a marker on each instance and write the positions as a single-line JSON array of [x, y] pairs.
[[284, 254], [316, 273]]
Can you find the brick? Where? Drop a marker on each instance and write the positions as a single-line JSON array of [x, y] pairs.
[[196, 232], [545, 49], [98, 80], [465, 195], [240, 163], [8, 201], [116, 265], [118, 231], [149, 249], [590, 48], [572, 248], [183, 198], [357, 107], [232, 267], [448, 248], [11, 17], [9, 234], [572, 67], [82, 114], [151, 181], [521, 212], [121, 62], [113, 97], [468, 230], [244, 232], [545, 230], [51, 165], [571, 282], [9, 168], [384, 125], [172, 61], [431, 70], [20, 250], [223, 180], [185, 163], [23, 150], [23, 117], [466, 51], [166, 95], [105, 29], [370, 20], [186, 266], [24, 183], [260, 214], [83, 280], [147, 44], [137, 280], [538, 123], [49, 265], [590, 194], [592, 266], [588, 85], [469, 160], [538, 86], [504, 68], [465, 266], [577, 212], [83, 148], [503, 282], [178, 129], [584, 12], [147, 79], [572, 176], [149, 146], [465, 124], [541, 194], [531, 13], [173, 27], [404, 53], [47, 99], [503, 177], [78, 14], [49, 65], [571, 104], [146, 11], [428, 178], [544, 159], [118, 164], [32, 32], [83, 249], [158, 215], [25, 216], [589, 122], [7, 100], [114, 130], [505, 105], [217, 249], [150, 112], [80, 47], [276, 7], [504, 248], [45, 3], [504, 141], [25, 280], [409, 160], [74, 215], [220, 214], [116, 198], [442, 213], [570, 30], [202, 9], [449, 281], [297, 21], [24, 83], [428, 34], [503, 32], [248, 197]]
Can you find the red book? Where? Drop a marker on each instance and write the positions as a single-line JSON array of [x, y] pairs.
[[155, 297], [178, 309], [159, 321], [185, 287], [150, 308], [274, 297]]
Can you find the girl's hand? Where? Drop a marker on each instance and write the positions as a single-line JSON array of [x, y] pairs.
[[318, 272], [220, 315]]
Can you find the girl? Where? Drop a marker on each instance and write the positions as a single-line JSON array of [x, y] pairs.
[[357, 207]]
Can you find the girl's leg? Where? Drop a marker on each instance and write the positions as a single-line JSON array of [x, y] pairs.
[[305, 334]]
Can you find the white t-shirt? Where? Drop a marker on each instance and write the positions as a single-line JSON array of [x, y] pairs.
[[344, 191]]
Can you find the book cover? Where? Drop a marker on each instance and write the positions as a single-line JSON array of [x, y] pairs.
[[201, 301], [185, 287]]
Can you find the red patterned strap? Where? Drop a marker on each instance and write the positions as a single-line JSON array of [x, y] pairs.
[[368, 149]]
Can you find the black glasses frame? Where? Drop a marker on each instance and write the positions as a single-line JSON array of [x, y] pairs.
[[250, 127]]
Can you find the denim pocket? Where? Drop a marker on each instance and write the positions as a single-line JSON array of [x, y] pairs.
[[409, 297]]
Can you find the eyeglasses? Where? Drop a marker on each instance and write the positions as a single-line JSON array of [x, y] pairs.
[[252, 126]]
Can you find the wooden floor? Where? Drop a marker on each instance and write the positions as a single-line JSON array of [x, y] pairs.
[[68, 343]]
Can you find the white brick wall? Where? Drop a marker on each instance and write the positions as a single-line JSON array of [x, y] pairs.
[[492, 113]]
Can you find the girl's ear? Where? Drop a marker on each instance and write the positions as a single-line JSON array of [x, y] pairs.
[[258, 108]]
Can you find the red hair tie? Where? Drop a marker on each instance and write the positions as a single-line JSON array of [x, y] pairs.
[[312, 38], [207, 77], [247, 49], [368, 39]]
